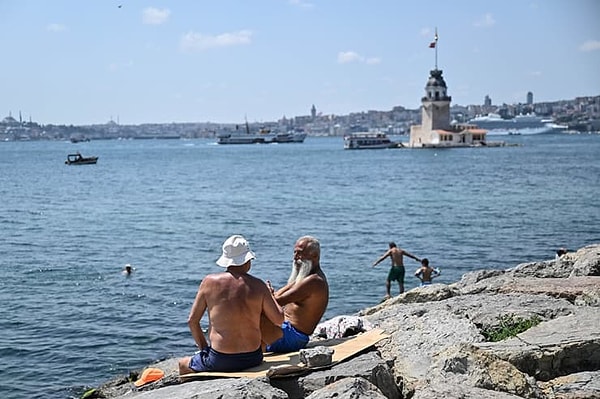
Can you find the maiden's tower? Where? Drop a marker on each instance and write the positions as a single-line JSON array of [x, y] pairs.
[[435, 129]]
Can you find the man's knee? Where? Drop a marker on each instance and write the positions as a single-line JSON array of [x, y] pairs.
[[184, 367]]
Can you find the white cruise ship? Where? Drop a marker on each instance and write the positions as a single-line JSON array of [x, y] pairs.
[[520, 124]]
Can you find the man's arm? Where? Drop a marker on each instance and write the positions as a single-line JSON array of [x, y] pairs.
[[271, 308], [198, 309], [419, 274], [297, 292], [385, 255], [282, 290], [411, 255]]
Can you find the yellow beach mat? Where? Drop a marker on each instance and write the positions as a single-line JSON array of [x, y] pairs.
[[287, 364]]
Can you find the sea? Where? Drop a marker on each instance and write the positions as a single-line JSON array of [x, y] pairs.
[[70, 320]]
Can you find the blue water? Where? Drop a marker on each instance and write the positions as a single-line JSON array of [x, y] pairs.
[[71, 320]]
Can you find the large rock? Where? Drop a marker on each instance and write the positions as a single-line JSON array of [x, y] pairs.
[[583, 385], [351, 387], [559, 347], [436, 346]]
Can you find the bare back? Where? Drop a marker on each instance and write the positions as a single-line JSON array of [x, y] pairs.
[[235, 303], [397, 256], [425, 273]]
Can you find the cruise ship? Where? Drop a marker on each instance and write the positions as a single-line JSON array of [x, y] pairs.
[[520, 124]]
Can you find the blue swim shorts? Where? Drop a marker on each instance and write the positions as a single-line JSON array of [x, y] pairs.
[[291, 341], [209, 359]]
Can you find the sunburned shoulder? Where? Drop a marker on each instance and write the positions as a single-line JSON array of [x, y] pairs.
[[315, 279], [215, 276]]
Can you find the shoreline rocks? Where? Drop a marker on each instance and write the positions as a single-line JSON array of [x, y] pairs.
[[437, 348]]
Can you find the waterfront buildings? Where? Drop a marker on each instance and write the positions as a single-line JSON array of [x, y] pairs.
[[580, 114]]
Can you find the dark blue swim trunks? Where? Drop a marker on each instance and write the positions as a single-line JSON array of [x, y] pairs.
[[209, 359], [292, 340]]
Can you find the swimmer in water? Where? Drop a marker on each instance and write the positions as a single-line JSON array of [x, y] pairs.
[[127, 270]]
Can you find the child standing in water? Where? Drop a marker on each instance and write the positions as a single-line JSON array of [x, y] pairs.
[[426, 273]]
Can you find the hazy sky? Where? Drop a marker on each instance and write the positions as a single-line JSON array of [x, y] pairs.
[[136, 61]]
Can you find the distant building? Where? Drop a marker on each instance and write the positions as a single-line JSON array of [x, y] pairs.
[[313, 112], [9, 120], [487, 101], [529, 98], [435, 129]]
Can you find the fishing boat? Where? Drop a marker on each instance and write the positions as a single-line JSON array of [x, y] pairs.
[[78, 159], [368, 140]]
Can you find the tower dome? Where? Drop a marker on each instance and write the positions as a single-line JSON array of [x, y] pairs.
[[436, 89], [436, 79]]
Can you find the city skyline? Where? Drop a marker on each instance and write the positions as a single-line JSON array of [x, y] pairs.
[[147, 62]]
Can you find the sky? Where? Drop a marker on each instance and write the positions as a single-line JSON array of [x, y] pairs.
[[135, 61]]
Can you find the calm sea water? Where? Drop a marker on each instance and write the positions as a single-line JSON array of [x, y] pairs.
[[71, 320]]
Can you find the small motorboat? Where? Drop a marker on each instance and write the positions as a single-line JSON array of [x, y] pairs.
[[78, 159]]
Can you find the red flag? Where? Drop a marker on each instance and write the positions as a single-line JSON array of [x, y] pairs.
[[435, 39]]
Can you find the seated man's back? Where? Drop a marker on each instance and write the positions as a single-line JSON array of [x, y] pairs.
[[235, 302]]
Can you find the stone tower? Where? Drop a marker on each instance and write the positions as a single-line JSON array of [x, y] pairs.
[[435, 129], [435, 113]]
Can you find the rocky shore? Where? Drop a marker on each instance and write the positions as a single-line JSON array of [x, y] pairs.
[[444, 342]]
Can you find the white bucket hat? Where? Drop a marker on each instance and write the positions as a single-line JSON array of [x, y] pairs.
[[236, 252]]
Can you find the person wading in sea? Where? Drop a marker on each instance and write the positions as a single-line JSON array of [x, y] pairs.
[[426, 273], [397, 271]]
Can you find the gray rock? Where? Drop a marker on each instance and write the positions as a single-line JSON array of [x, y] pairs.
[[223, 388], [437, 390], [559, 347], [369, 366], [574, 386], [586, 261], [348, 388], [467, 365], [318, 356]]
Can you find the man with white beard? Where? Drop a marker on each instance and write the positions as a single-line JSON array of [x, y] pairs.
[[304, 300]]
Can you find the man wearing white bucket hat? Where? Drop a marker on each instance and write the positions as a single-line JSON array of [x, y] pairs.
[[235, 301]]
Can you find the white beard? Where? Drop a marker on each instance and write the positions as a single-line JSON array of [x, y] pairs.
[[300, 269]]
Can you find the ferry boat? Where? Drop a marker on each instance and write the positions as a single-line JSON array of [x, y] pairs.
[[368, 140], [289, 137], [264, 136]]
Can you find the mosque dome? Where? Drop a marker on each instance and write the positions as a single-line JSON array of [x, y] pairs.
[[9, 120]]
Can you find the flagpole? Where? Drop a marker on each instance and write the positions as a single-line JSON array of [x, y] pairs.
[[436, 49], [433, 45]]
